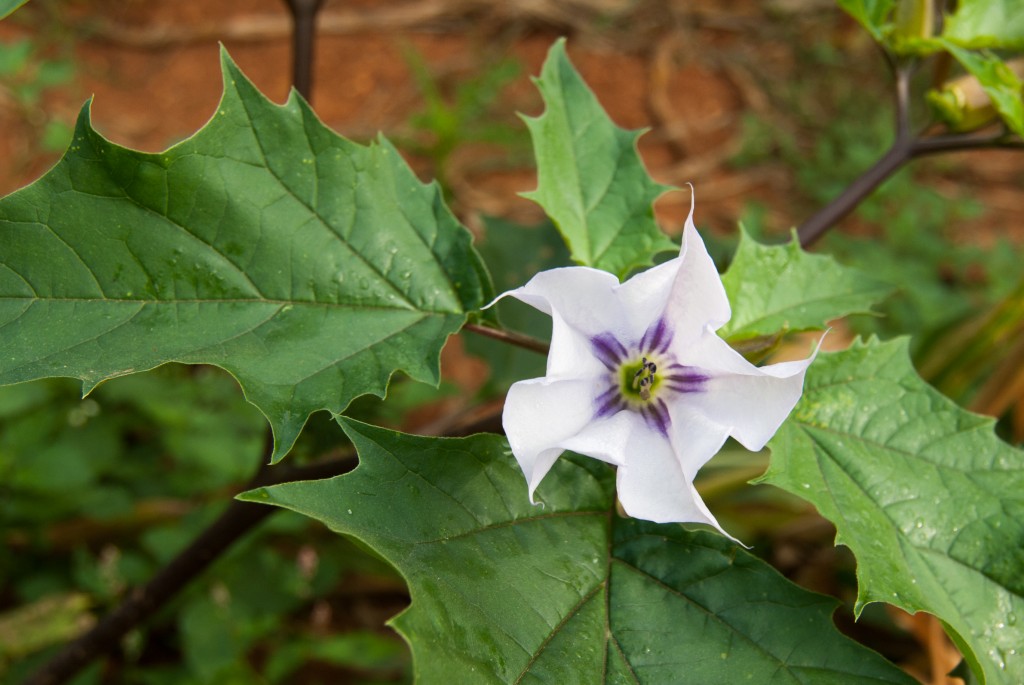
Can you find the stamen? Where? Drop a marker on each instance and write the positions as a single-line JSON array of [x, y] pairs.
[[644, 378]]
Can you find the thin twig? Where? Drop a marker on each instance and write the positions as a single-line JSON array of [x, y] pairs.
[[965, 141], [304, 14], [827, 217], [237, 520], [512, 338], [902, 151]]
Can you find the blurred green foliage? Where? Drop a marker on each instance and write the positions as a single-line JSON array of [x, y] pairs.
[[908, 233], [459, 110], [97, 494], [27, 74]]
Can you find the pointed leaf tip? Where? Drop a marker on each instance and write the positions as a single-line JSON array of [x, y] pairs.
[[309, 267], [595, 186]]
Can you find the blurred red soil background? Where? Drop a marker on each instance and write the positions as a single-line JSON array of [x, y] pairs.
[[693, 72]]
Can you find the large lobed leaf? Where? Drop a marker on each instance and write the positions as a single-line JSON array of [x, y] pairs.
[[308, 266], [567, 592], [925, 495], [590, 179], [781, 288]]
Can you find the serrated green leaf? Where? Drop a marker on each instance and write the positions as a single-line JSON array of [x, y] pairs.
[[986, 24], [309, 267], [998, 80], [590, 178], [873, 15], [782, 288], [929, 500], [506, 592], [7, 7]]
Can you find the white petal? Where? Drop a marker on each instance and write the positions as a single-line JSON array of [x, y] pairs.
[[750, 402], [698, 297], [652, 486], [571, 354], [584, 297], [606, 438], [582, 303], [539, 415], [695, 438], [644, 298]]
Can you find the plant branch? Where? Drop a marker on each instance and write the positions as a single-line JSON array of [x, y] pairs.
[[826, 217], [510, 337], [964, 141], [304, 14], [237, 520], [902, 151]]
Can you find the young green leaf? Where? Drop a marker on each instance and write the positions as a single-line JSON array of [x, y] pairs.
[[8, 6], [590, 178], [873, 15], [924, 494], [783, 288], [310, 267], [567, 592], [998, 81], [986, 24]]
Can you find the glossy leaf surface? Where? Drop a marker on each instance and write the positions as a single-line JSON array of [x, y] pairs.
[[590, 179], [929, 500], [310, 267], [782, 288], [567, 592]]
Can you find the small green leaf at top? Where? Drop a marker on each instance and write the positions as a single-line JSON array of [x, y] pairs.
[[986, 24], [590, 178], [873, 15], [924, 494], [782, 288], [309, 267], [566, 592], [7, 7]]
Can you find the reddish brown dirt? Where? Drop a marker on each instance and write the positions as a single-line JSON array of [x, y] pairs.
[[689, 72]]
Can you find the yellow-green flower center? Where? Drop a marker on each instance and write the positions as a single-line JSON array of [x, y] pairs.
[[639, 380]]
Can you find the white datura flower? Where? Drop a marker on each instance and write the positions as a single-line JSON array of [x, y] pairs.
[[638, 378]]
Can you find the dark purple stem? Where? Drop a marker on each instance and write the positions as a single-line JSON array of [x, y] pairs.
[[511, 337], [237, 520], [304, 17]]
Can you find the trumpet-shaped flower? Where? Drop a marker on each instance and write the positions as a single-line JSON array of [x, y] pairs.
[[637, 377]]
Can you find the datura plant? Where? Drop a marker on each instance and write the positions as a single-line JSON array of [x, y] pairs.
[[313, 269]]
